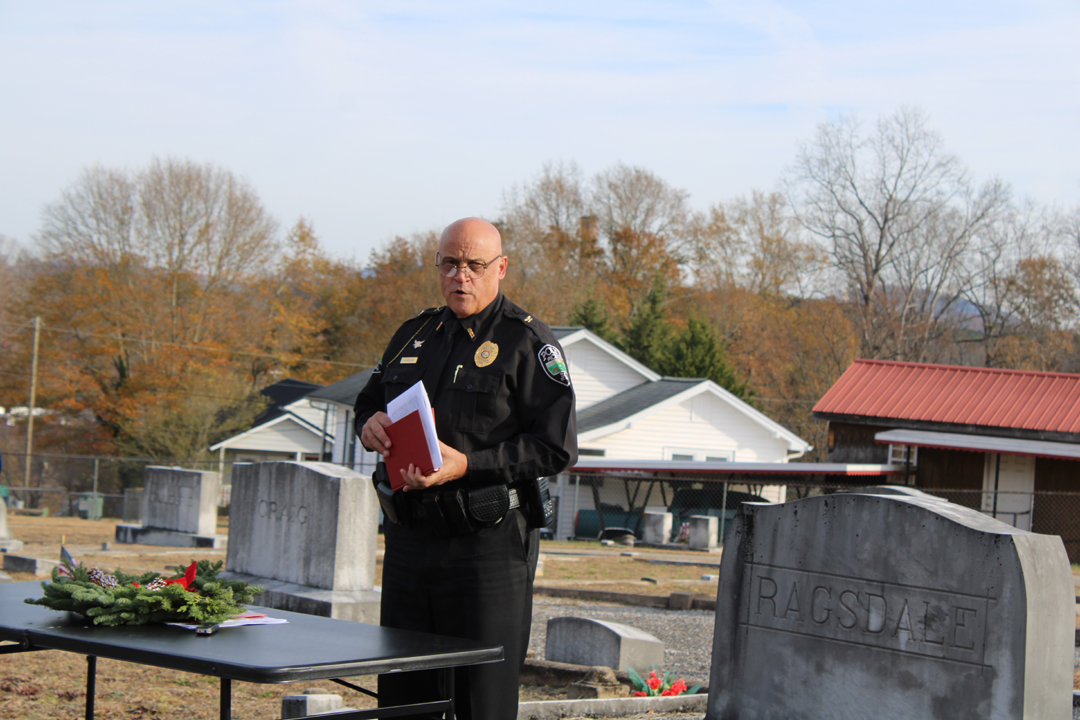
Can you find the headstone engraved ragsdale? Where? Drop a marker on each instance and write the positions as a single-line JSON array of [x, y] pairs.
[[179, 509], [870, 606], [306, 532]]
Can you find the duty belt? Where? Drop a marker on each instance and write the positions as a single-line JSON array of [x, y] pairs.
[[460, 511], [417, 505]]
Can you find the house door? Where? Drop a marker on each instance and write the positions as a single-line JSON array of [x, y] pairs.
[[1008, 487]]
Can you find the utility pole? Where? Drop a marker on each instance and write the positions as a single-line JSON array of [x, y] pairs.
[[33, 399]]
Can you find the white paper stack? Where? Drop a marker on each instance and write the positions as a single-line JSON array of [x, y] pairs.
[[415, 399]]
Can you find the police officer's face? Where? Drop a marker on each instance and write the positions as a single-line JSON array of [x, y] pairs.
[[467, 241]]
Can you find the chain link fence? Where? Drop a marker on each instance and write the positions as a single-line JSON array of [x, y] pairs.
[[589, 505], [610, 505], [85, 486]]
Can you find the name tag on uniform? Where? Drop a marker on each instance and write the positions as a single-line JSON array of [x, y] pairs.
[[408, 361]]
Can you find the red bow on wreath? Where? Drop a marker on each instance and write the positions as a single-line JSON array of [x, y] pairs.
[[185, 582]]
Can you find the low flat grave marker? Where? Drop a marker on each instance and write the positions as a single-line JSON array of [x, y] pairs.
[[581, 641]]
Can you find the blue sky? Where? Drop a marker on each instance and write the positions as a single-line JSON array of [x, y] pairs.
[[382, 119]]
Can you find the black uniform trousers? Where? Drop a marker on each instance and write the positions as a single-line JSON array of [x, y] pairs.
[[476, 586]]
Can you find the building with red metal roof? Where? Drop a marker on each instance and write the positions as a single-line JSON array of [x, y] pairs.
[[1002, 439]]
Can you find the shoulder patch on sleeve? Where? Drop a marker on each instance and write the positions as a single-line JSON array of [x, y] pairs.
[[554, 366]]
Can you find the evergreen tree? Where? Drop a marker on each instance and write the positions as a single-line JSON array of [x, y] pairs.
[[699, 353], [647, 336], [591, 314]]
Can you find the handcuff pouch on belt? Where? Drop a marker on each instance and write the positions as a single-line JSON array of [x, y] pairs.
[[488, 504], [393, 504], [464, 511]]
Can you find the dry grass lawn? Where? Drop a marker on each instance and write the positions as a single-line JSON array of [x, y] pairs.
[[48, 685]]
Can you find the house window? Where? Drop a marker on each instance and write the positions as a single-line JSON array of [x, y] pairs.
[[898, 454], [590, 452], [694, 455]]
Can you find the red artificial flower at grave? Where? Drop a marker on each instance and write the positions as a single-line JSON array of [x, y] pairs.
[[659, 685]]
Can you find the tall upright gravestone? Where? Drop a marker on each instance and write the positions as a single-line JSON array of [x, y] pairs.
[[870, 606], [179, 509], [307, 533], [7, 542]]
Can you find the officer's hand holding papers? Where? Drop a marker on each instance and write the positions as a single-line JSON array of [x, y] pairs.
[[412, 435]]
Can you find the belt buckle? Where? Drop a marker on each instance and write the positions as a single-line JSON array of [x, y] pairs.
[[430, 507]]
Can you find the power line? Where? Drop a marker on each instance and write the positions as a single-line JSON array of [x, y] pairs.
[[187, 346]]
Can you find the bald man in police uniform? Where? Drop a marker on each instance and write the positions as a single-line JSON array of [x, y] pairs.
[[504, 413]]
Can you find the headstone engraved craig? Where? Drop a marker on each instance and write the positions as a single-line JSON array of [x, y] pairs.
[[179, 508], [307, 533], [852, 606]]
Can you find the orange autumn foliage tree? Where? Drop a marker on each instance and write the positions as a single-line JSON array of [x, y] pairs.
[[400, 282], [144, 288], [309, 306]]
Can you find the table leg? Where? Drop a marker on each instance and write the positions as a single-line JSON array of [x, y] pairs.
[[449, 679], [226, 699], [91, 685]]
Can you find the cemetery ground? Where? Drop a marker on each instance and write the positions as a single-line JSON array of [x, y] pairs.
[[51, 684]]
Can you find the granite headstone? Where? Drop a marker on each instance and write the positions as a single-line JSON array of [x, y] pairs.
[[179, 509], [307, 533], [704, 531], [7, 542], [657, 528], [581, 641], [852, 606]]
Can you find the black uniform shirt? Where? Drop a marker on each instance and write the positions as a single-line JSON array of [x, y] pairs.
[[498, 385]]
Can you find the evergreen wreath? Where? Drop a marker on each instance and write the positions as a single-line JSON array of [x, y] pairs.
[[192, 595]]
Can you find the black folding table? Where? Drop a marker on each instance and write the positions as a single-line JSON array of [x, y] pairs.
[[306, 648]]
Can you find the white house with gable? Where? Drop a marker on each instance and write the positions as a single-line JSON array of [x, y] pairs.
[[625, 411], [291, 427]]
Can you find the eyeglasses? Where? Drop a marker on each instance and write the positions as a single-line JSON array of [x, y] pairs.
[[449, 267]]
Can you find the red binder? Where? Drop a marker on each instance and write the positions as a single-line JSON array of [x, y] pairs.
[[407, 446]]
